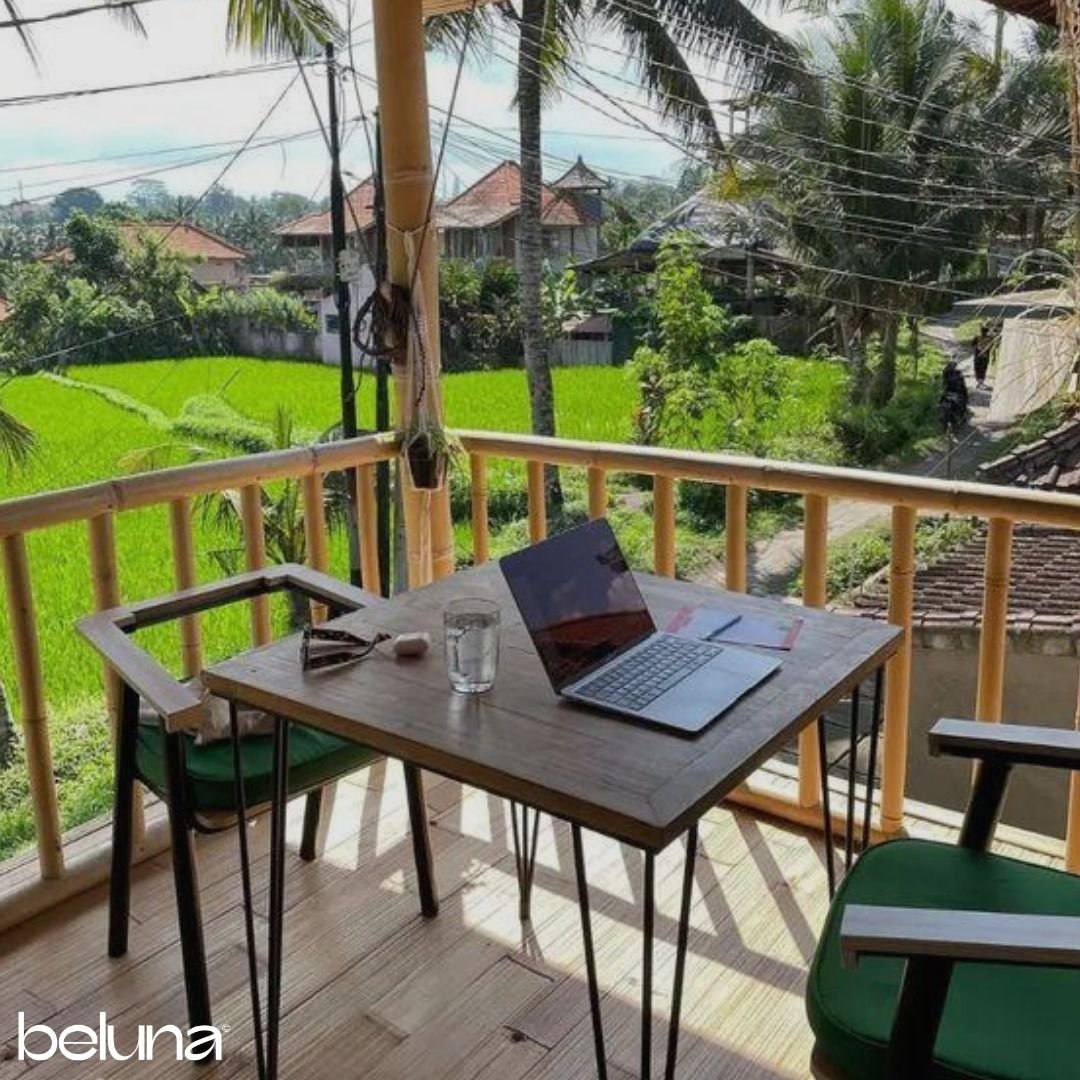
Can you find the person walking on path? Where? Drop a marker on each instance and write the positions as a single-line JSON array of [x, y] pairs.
[[982, 347]]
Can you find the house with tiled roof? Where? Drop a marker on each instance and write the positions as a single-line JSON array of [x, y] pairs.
[[210, 259], [483, 221], [312, 234], [1049, 463]]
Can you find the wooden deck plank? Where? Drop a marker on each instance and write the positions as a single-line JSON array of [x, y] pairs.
[[373, 989]]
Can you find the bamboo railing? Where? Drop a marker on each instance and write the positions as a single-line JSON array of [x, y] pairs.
[[100, 505], [903, 496]]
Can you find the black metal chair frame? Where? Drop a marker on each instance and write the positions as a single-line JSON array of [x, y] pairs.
[[178, 709]]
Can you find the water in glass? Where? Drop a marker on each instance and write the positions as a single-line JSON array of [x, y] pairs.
[[472, 645]]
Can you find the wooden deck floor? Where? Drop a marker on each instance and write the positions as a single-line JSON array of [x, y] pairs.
[[374, 991]]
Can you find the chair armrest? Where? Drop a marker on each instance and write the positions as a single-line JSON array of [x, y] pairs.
[[316, 585], [969, 936], [1015, 744], [179, 707]]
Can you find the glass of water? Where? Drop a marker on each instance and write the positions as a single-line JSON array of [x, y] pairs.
[[472, 644]]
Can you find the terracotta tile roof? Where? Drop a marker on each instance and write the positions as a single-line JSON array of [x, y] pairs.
[[184, 239], [360, 211], [1044, 585], [579, 177], [1042, 11], [1050, 463], [497, 196]]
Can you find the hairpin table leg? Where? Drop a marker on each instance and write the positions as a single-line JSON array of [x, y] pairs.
[[875, 728], [826, 808], [525, 842], [649, 928]]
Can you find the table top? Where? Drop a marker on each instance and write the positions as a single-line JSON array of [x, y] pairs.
[[521, 741]]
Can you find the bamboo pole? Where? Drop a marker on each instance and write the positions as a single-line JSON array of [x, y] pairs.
[[369, 528], [537, 502], [315, 546], [1072, 825], [255, 555], [27, 653], [664, 525], [185, 576], [898, 671], [735, 538], [106, 586], [409, 181], [995, 616], [815, 590], [597, 480], [480, 531]]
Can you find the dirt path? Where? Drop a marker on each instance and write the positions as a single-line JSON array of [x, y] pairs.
[[774, 563]]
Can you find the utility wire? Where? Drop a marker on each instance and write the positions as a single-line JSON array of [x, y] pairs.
[[88, 9]]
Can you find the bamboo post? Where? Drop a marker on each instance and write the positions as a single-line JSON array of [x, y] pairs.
[[409, 180], [815, 568], [106, 586], [255, 555], [369, 528], [27, 653], [597, 479], [185, 576], [537, 502], [735, 538], [995, 616], [315, 548], [898, 671], [480, 530], [664, 525]]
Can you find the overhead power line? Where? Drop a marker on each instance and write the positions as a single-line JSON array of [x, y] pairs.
[[70, 13]]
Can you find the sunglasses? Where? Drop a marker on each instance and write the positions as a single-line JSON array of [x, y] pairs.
[[323, 647]]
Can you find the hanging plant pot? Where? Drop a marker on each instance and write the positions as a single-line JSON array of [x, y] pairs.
[[427, 462]]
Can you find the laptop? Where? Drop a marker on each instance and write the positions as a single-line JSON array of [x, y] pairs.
[[599, 644]]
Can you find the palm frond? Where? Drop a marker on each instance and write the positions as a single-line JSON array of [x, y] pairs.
[[281, 27], [472, 31], [17, 441]]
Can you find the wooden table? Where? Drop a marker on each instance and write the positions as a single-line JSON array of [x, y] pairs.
[[640, 785]]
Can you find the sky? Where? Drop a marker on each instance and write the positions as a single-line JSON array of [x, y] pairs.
[[105, 140]]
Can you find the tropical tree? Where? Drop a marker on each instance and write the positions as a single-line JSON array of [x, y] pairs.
[[872, 167], [659, 35]]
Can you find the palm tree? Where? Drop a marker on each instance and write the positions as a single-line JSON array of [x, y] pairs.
[[868, 166], [658, 34]]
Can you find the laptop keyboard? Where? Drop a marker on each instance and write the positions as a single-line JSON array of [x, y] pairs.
[[642, 677]]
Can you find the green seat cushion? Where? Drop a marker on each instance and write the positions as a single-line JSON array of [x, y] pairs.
[[1005, 1022], [315, 758]]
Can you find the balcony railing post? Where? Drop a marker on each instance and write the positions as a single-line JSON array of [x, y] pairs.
[[185, 576], [442, 534], [537, 501], [480, 529], [597, 480], [735, 538], [24, 639], [255, 555], [815, 590], [995, 616], [106, 585], [898, 671], [315, 546], [368, 512], [664, 525]]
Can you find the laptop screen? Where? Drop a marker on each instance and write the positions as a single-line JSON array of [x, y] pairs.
[[579, 600]]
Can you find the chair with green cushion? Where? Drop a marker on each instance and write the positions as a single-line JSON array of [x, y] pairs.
[[950, 962], [197, 779]]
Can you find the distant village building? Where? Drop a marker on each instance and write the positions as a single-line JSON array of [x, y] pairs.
[[211, 260], [483, 221], [312, 234]]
